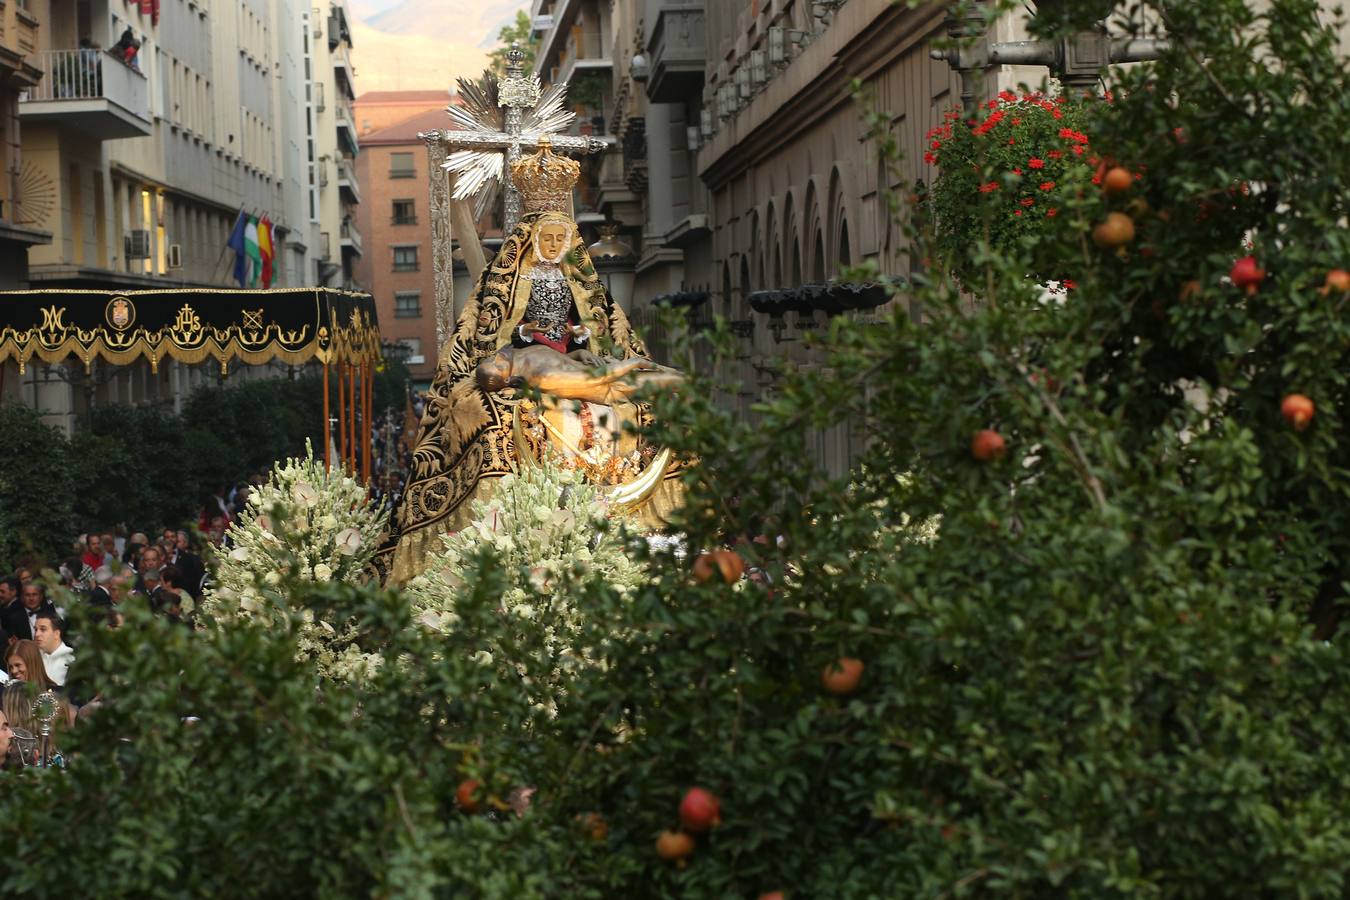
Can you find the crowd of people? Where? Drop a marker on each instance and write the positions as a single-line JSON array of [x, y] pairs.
[[107, 572]]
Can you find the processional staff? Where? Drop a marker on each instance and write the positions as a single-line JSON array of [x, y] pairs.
[[497, 122]]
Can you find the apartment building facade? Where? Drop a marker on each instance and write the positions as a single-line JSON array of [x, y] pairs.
[[394, 218], [138, 165]]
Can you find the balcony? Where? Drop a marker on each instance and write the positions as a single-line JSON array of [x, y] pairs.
[[582, 66], [91, 92], [346, 129], [347, 181], [677, 52], [351, 239], [346, 75]]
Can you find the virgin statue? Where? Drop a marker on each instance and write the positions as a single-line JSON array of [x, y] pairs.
[[539, 317]]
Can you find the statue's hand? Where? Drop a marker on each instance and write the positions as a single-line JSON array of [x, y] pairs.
[[587, 358]]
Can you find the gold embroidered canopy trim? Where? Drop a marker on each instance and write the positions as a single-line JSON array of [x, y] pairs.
[[290, 325]]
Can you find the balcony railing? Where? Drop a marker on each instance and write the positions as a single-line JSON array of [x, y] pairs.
[[91, 91], [677, 53], [347, 179], [351, 238]]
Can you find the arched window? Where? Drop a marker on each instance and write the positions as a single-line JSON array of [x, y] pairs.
[[845, 254], [818, 273], [745, 286]]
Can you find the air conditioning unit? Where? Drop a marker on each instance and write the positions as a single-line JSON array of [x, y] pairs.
[[542, 24], [323, 175], [175, 256], [136, 245], [417, 360]]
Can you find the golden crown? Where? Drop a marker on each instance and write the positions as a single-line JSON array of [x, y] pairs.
[[545, 180]]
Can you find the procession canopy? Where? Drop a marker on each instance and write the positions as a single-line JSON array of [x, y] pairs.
[[294, 326]]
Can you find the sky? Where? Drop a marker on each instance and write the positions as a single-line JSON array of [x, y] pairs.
[[407, 45]]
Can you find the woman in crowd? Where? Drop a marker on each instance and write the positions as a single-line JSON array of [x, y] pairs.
[[16, 698], [6, 741], [23, 661]]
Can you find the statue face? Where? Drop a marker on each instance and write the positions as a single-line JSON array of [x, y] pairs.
[[552, 241]]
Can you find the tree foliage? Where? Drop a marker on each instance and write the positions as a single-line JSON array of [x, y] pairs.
[[518, 32], [146, 467], [1114, 669]]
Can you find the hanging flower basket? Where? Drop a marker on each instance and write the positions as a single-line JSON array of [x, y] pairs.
[[1007, 177]]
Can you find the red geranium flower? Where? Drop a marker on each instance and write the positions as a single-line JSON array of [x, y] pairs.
[[1036, 163], [1027, 201], [1052, 212], [1047, 185], [988, 187]]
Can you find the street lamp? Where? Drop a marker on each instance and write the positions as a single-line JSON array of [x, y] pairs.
[[616, 264]]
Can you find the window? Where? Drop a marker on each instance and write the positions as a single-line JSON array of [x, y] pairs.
[[405, 212], [407, 304], [405, 259], [401, 166], [414, 346]]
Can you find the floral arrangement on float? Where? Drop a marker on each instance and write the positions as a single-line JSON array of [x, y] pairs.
[[550, 532], [307, 524], [1008, 178]]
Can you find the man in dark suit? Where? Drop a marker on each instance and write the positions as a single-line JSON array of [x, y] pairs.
[[191, 565], [19, 618]]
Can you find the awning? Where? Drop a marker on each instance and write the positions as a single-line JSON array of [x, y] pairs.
[[293, 326]]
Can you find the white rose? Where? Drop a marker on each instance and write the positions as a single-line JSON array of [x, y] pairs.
[[349, 541], [483, 658], [304, 494], [322, 572], [239, 554], [542, 513], [329, 521], [272, 578]]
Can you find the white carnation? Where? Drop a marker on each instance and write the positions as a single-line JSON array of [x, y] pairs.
[[322, 572]]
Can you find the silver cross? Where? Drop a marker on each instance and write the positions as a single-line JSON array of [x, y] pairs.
[[497, 122]]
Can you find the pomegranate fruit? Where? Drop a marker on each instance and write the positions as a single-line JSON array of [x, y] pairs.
[[1298, 411], [1338, 282], [466, 795], [700, 810], [595, 826], [674, 846], [842, 676], [988, 444], [724, 564], [1117, 181], [1115, 232], [1247, 275]]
